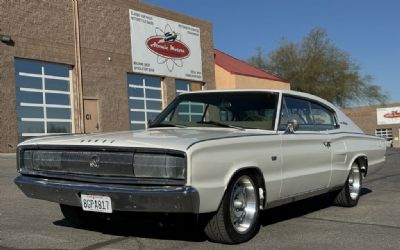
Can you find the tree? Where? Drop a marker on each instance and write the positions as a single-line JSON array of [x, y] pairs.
[[317, 66]]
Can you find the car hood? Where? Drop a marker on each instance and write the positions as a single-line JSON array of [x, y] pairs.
[[168, 138]]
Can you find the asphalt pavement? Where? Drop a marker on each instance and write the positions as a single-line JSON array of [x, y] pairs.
[[309, 224]]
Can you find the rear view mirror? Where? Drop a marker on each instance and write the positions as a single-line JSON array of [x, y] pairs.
[[292, 126]]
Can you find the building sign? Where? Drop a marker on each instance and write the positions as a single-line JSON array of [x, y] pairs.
[[388, 115], [164, 47]]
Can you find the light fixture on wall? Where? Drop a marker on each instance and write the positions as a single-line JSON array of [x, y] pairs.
[[6, 39]]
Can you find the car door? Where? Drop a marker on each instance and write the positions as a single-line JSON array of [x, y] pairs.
[[306, 152]]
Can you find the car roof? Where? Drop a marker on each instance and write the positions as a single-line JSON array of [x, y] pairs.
[[288, 92], [342, 118]]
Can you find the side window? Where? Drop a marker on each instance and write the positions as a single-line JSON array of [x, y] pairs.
[[310, 115], [324, 119], [297, 109]]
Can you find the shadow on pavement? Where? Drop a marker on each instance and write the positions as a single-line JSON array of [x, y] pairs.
[[156, 226], [299, 208], [184, 227]]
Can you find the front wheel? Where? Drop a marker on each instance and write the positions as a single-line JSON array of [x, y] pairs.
[[350, 193], [237, 219]]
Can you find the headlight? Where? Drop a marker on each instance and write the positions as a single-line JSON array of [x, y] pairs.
[[19, 159], [159, 166], [40, 160], [25, 159]]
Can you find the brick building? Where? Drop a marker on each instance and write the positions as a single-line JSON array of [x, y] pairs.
[[79, 66], [378, 120]]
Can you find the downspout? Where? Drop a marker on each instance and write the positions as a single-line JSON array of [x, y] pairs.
[[77, 86]]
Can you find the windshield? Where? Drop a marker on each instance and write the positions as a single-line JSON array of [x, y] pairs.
[[250, 110]]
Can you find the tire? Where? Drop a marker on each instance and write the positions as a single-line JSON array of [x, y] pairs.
[[349, 195], [237, 219], [75, 216]]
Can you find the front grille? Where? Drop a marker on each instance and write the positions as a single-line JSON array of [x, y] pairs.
[[106, 165], [80, 162]]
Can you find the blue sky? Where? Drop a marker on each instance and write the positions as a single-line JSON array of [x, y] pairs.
[[369, 30]]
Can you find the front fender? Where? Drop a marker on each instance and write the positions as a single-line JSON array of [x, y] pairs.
[[212, 166]]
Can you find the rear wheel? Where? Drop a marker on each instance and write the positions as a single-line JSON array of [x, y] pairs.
[[350, 193], [237, 219]]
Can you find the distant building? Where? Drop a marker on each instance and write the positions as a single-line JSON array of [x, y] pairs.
[[378, 120], [232, 73]]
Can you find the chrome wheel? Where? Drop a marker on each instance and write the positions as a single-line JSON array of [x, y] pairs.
[[243, 204], [237, 218], [354, 182]]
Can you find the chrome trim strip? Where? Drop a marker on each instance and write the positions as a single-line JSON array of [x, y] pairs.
[[279, 132], [300, 197], [103, 179], [227, 137], [103, 148]]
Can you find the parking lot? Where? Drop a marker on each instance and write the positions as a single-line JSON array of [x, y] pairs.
[[310, 224]]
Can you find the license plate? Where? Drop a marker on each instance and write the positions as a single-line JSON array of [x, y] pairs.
[[96, 203]]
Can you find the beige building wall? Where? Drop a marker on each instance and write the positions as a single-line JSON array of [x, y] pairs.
[[248, 82], [226, 80]]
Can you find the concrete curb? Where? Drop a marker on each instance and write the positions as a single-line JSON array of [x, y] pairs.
[[7, 156]]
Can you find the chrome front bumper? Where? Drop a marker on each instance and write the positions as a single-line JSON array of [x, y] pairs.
[[168, 199]]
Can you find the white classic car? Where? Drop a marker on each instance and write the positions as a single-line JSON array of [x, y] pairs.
[[228, 154]]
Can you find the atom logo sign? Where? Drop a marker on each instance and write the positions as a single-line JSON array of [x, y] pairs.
[[393, 114], [168, 47], [388, 115], [164, 47]]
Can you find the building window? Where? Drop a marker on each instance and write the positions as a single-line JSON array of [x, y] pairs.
[[43, 98], [182, 86], [384, 132], [145, 99], [188, 111]]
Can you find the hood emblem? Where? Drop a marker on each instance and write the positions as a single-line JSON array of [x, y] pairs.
[[94, 162]]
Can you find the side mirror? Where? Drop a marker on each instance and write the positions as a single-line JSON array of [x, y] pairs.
[[292, 126]]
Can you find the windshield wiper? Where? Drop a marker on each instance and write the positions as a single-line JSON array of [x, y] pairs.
[[168, 125], [220, 124]]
